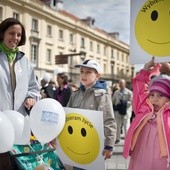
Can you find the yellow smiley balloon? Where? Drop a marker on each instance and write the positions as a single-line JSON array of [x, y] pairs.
[[79, 139], [152, 27]]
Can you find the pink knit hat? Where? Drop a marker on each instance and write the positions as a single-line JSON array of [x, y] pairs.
[[160, 84]]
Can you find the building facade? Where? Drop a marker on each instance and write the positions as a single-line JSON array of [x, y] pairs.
[[57, 40]]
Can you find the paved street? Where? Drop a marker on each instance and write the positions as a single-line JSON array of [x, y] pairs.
[[117, 162]]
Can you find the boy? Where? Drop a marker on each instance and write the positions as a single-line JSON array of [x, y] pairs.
[[92, 95]]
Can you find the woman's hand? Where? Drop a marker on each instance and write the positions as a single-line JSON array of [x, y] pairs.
[[29, 102]]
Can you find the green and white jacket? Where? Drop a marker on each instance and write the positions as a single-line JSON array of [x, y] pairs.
[[26, 83]]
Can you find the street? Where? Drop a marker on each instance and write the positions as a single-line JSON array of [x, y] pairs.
[[117, 162]]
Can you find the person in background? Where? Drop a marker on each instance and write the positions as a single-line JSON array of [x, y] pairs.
[[114, 88], [148, 139], [63, 91], [19, 87], [53, 84], [47, 90], [92, 95], [122, 104], [73, 86], [165, 68]]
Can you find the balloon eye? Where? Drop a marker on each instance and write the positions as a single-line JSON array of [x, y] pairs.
[[70, 129], [83, 132], [154, 15]]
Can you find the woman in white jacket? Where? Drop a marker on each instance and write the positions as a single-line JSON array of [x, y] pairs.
[[19, 88]]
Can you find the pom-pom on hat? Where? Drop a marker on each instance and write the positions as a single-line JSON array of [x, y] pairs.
[[91, 64], [160, 84]]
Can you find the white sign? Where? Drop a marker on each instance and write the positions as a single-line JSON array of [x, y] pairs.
[[150, 31], [81, 142]]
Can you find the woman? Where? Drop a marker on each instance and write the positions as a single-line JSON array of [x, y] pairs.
[[63, 91], [19, 88]]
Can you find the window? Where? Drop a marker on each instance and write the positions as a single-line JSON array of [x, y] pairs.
[[105, 50], [91, 46], [61, 34], [105, 68], [16, 15], [122, 57], [48, 56], [34, 24], [112, 53], [71, 38], [54, 2], [112, 69], [82, 43], [34, 53], [98, 48], [1, 13], [126, 56], [118, 55], [49, 30], [118, 70]]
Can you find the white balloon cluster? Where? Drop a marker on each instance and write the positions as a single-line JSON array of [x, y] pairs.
[[46, 121]]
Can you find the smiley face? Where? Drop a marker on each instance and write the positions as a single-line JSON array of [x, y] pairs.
[[79, 139], [152, 27]]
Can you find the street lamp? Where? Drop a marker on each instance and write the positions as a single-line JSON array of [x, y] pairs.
[[82, 55], [63, 59]]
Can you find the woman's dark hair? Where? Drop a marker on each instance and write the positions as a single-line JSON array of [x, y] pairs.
[[64, 77], [4, 25]]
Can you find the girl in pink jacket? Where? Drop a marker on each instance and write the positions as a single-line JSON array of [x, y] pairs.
[[148, 139]]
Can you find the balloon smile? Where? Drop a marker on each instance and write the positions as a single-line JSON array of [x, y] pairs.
[[78, 153], [158, 42]]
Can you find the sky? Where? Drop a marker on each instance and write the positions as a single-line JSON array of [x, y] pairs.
[[109, 15]]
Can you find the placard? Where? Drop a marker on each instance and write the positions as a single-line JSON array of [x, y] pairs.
[[81, 142], [150, 31]]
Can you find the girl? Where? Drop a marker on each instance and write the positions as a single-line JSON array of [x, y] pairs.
[[148, 138]]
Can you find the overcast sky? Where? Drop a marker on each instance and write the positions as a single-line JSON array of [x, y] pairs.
[[109, 15]]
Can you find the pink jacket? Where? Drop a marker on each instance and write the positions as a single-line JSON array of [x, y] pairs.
[[142, 108]]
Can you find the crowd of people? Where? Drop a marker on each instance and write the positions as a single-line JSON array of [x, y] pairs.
[[147, 136]]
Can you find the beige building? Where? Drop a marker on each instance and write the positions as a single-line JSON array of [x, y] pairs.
[[57, 40]]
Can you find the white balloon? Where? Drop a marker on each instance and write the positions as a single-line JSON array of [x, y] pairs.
[[47, 119], [24, 139], [6, 133], [17, 120]]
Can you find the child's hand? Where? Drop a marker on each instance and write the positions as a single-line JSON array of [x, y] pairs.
[[150, 65], [107, 154]]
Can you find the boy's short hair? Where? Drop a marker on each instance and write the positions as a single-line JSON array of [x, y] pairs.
[[160, 84], [91, 64]]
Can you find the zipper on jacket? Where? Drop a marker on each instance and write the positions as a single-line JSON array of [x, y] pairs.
[[151, 107], [13, 98], [134, 131]]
